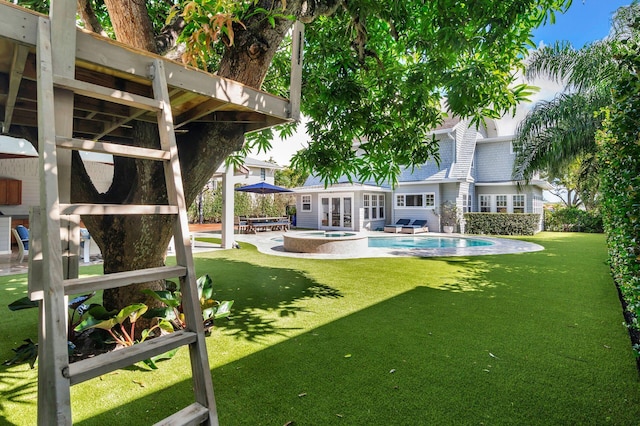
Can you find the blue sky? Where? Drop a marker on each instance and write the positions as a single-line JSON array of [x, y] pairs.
[[585, 21]]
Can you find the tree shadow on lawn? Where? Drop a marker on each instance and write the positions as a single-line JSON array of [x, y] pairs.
[[261, 295], [423, 357], [18, 385]]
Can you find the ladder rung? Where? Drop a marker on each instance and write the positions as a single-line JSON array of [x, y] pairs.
[[116, 209], [112, 95], [121, 279], [93, 367], [113, 149], [194, 414]]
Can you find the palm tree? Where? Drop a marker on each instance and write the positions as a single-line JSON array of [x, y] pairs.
[[557, 133]]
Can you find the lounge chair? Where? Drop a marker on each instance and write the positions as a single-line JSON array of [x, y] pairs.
[[397, 227], [416, 227], [22, 238]]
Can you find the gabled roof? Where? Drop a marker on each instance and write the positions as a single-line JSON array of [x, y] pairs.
[[342, 187], [252, 162]]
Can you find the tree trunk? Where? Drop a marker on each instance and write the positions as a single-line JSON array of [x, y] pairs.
[[135, 242]]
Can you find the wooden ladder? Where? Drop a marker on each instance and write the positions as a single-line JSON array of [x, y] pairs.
[[49, 281]]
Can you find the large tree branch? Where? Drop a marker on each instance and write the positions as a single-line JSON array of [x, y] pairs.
[[89, 18]]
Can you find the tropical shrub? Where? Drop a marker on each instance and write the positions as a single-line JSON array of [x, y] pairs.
[[121, 326], [173, 310], [571, 219], [28, 352], [501, 223]]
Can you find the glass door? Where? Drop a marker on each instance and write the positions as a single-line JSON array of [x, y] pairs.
[[336, 212]]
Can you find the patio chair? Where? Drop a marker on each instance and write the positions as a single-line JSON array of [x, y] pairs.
[[397, 227], [240, 223], [418, 226], [22, 238]]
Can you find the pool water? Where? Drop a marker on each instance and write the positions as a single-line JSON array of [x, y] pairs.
[[409, 242], [425, 242], [330, 234]]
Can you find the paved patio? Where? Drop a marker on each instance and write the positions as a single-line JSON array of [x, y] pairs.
[[271, 243]]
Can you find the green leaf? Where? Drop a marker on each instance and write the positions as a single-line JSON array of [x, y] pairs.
[[27, 352], [133, 312], [205, 287], [166, 312], [151, 362], [165, 326], [92, 322], [77, 301], [167, 297], [224, 310], [23, 303], [99, 312]]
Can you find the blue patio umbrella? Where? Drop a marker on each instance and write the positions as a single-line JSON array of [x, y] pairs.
[[263, 188]]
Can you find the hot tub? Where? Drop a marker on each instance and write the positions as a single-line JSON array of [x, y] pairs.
[[337, 242]]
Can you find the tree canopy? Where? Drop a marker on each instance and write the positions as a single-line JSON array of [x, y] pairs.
[[376, 73]]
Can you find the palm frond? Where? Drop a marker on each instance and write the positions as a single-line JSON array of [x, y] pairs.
[[556, 132]]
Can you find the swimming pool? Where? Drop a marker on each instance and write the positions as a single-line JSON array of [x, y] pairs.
[[426, 242], [387, 245]]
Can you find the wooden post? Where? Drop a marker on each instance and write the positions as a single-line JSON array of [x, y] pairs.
[[54, 401], [297, 50], [227, 208]]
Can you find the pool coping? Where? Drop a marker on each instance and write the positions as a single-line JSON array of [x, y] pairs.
[[265, 243]]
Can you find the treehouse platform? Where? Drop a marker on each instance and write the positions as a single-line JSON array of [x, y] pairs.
[[196, 96]]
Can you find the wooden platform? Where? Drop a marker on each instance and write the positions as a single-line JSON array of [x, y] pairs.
[[196, 96]]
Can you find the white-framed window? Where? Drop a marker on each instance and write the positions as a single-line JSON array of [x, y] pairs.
[[427, 200], [466, 203], [518, 203], [413, 200], [366, 204], [501, 203], [430, 200], [306, 203], [373, 205], [538, 204], [485, 204], [263, 173]]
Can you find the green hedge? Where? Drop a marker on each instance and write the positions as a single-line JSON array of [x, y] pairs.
[[571, 219], [502, 223], [619, 158]]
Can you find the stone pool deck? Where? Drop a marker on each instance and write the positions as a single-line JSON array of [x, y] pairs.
[[271, 243]]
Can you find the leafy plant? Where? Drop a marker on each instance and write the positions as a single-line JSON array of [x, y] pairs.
[[449, 214], [99, 318], [28, 352], [173, 312]]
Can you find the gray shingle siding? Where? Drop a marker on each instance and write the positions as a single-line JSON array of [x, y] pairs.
[[465, 149], [494, 162], [430, 170]]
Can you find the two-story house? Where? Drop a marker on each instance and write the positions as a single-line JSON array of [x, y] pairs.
[[475, 173]]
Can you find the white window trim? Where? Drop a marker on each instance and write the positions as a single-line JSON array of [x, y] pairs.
[[495, 202], [374, 204], [480, 197], [524, 202], [302, 203], [424, 200]]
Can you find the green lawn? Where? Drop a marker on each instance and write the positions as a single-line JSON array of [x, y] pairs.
[[533, 338]]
